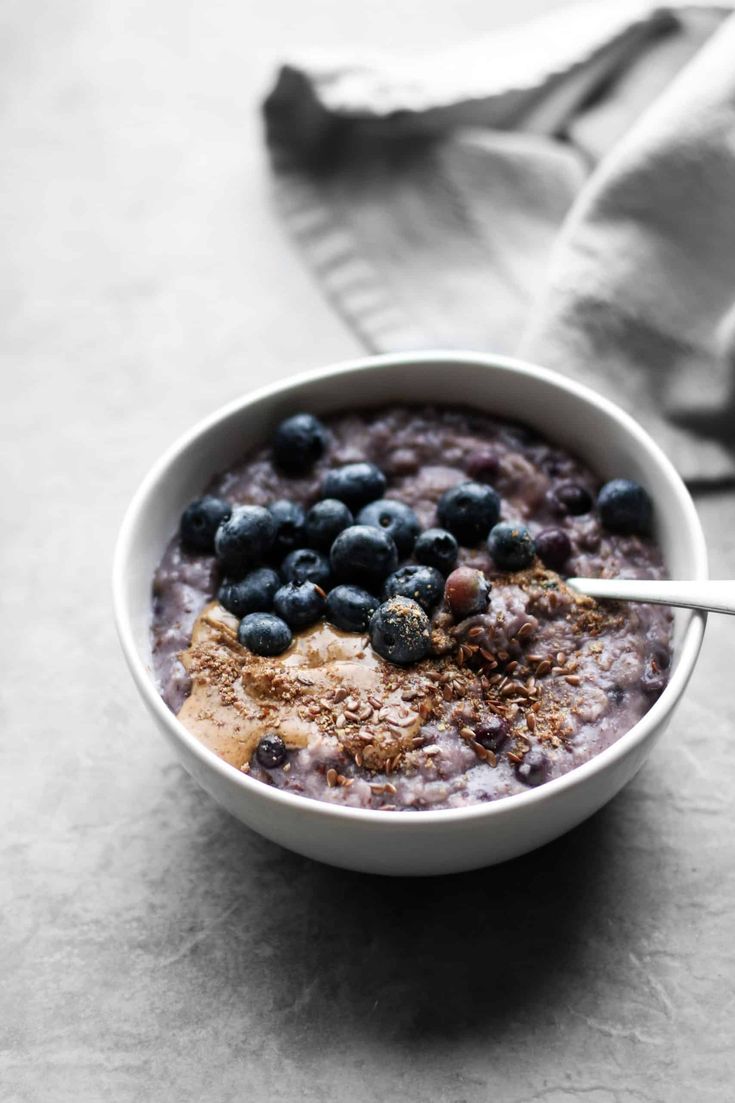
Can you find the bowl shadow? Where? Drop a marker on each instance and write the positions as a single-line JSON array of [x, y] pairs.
[[328, 953]]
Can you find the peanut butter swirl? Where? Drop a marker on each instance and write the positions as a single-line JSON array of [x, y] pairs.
[[332, 684]]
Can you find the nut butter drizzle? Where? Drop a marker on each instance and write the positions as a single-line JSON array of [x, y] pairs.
[[333, 684]]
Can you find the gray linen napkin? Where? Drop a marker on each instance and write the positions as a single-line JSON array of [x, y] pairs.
[[564, 191]]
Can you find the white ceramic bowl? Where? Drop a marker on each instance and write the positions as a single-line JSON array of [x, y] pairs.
[[411, 843]]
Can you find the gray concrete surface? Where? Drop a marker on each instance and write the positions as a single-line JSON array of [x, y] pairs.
[[152, 948]]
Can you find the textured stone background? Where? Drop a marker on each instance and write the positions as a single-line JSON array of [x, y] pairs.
[[151, 947]]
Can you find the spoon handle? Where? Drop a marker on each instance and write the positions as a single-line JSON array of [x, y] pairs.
[[717, 596]]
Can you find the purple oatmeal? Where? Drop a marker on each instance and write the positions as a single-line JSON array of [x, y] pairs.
[[470, 673]]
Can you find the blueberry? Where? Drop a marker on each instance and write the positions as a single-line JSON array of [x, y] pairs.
[[553, 547], [533, 769], [653, 679], [252, 594], [355, 484], [616, 694], [350, 608], [264, 634], [298, 443], [492, 731], [244, 538], [395, 518], [424, 584], [437, 548], [571, 498], [469, 511], [200, 521], [625, 507], [511, 546], [400, 631], [325, 521], [299, 604], [483, 465], [467, 592], [363, 554], [290, 526], [271, 751], [306, 565]]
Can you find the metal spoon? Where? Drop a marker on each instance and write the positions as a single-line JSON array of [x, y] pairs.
[[716, 596]]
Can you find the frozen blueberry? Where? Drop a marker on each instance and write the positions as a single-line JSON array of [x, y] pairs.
[[400, 631], [424, 584], [264, 634], [252, 594], [355, 484], [553, 548], [469, 511], [325, 521], [363, 555], [437, 548], [350, 608], [290, 526], [467, 592], [571, 498], [625, 507], [299, 603], [200, 521], [306, 565], [511, 546], [396, 518], [298, 443], [271, 751], [244, 538], [492, 731], [533, 769], [483, 465]]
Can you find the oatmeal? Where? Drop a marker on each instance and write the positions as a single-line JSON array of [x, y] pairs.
[[372, 611]]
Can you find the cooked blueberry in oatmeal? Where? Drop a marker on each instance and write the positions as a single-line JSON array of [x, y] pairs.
[[372, 610]]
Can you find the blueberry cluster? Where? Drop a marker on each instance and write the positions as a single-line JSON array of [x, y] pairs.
[[285, 567]]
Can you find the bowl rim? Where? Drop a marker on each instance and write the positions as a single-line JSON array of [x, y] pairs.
[[691, 639]]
